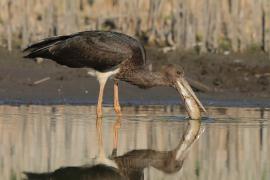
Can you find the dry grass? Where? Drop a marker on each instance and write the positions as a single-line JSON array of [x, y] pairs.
[[205, 25]]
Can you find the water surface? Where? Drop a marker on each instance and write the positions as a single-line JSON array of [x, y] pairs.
[[232, 143]]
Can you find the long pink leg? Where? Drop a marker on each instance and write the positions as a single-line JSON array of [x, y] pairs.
[[116, 103], [100, 100], [116, 127], [101, 153]]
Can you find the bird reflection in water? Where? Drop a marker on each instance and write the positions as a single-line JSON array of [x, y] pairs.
[[129, 166]]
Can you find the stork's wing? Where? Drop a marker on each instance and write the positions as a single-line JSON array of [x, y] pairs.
[[99, 50]]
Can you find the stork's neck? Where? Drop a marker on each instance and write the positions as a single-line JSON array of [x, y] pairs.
[[142, 77]]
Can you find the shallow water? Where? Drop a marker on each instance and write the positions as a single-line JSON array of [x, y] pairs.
[[229, 143]]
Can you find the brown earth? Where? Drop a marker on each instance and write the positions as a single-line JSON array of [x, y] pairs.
[[234, 79]]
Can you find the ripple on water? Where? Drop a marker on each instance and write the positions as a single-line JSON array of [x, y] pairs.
[[44, 138]]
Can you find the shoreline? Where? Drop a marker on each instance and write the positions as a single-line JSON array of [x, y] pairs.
[[236, 80], [207, 101]]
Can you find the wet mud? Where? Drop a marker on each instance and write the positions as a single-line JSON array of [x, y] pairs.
[[231, 77]]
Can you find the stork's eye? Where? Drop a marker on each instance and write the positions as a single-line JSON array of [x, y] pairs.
[[178, 72]]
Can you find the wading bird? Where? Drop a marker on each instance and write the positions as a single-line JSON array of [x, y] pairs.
[[129, 166], [106, 54]]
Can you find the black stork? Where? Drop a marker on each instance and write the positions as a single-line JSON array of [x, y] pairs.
[[106, 54], [129, 166]]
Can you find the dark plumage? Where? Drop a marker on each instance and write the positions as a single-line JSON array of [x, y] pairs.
[[96, 172], [131, 165], [100, 50], [113, 54]]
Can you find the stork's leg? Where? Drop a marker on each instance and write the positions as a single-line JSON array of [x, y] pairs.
[[116, 127], [116, 104], [100, 98]]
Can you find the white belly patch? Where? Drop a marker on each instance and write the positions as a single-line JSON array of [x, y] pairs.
[[102, 77]]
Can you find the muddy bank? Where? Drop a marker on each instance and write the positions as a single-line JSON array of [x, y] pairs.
[[233, 79]]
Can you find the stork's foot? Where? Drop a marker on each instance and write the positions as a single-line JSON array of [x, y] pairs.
[[116, 128], [116, 103], [117, 110], [99, 113]]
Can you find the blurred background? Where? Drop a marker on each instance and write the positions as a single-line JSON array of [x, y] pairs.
[[223, 46], [204, 26]]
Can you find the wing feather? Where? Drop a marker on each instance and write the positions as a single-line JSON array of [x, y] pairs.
[[101, 50]]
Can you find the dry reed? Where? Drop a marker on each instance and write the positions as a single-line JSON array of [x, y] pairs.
[[206, 25]]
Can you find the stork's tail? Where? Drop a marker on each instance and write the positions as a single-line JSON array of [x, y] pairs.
[[41, 48]]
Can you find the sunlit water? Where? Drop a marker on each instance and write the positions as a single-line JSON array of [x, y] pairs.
[[233, 143]]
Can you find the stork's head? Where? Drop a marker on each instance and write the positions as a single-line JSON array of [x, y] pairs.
[[175, 76]]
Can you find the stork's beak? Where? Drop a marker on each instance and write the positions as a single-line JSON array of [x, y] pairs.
[[192, 103]]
